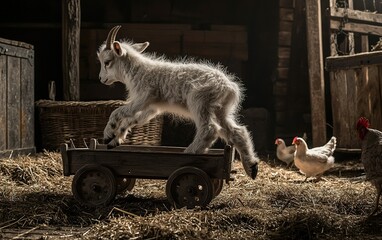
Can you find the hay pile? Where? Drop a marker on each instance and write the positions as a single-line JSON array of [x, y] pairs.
[[36, 199]]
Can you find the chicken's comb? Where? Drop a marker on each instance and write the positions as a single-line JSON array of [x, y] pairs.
[[294, 140], [363, 122]]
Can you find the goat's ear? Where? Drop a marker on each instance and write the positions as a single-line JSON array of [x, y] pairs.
[[117, 48], [140, 47]]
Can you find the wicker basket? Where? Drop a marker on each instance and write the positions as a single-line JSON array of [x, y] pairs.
[[63, 121]]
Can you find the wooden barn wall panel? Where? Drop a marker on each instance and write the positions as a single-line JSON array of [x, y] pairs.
[[284, 52], [286, 14], [226, 44], [13, 102], [279, 89], [285, 38], [17, 98], [194, 11], [355, 92], [280, 86], [374, 82], [283, 73], [369, 95], [286, 3], [283, 62], [351, 101], [285, 26], [344, 107], [3, 101], [27, 106]]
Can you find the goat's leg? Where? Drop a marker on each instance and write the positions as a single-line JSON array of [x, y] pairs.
[[206, 133], [128, 123], [122, 120], [242, 141]]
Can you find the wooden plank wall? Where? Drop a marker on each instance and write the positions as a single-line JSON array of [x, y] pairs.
[[355, 77], [17, 98], [226, 44], [3, 100], [280, 87], [291, 88], [355, 92]]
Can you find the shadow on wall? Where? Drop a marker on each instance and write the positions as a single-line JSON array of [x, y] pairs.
[[257, 122]]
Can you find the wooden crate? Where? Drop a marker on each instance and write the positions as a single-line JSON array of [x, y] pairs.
[[17, 98], [356, 90]]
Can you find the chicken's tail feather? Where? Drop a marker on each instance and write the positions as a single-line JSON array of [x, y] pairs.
[[331, 160], [331, 145]]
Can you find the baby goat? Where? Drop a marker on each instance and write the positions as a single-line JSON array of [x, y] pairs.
[[201, 92]]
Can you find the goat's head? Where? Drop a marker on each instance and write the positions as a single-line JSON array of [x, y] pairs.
[[114, 55]]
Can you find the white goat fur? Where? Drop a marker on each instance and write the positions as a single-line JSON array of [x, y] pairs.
[[198, 91]]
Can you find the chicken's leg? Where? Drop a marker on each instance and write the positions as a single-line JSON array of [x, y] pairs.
[[379, 191]]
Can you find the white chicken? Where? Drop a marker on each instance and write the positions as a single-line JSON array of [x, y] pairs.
[[314, 162], [285, 153]]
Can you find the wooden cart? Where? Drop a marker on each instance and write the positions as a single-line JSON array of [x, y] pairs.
[[100, 173]]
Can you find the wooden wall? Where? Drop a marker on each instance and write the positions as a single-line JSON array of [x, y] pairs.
[[242, 35], [291, 86], [356, 87], [225, 44], [355, 68], [16, 98]]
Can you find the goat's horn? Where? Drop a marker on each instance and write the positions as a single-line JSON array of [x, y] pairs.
[[111, 36]]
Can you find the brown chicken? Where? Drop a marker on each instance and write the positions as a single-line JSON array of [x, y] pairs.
[[314, 162], [285, 153], [371, 156]]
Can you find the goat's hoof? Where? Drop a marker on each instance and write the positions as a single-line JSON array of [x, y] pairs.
[[254, 171], [107, 140], [111, 146], [113, 143]]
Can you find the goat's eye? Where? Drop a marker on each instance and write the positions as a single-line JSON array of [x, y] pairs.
[[107, 63]]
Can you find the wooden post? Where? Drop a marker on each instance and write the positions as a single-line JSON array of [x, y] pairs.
[[316, 71], [71, 24], [333, 35], [351, 35]]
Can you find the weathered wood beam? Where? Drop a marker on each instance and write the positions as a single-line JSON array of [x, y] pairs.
[[333, 36], [316, 71], [356, 15], [353, 61], [356, 27], [71, 24]]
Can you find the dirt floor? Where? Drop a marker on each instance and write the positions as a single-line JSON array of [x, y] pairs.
[[36, 202]]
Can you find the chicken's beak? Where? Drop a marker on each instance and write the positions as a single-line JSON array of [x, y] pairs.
[[277, 142]]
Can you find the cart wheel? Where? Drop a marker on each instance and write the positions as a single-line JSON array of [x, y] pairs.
[[217, 185], [125, 184], [94, 185], [189, 187]]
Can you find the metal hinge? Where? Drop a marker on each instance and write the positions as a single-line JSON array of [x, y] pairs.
[[3, 50]]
